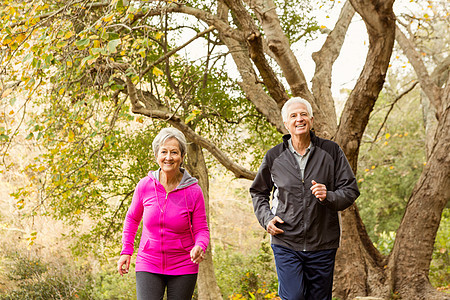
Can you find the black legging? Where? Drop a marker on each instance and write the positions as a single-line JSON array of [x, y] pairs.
[[151, 286]]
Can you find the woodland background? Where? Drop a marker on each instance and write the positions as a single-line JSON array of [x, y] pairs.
[[86, 85]]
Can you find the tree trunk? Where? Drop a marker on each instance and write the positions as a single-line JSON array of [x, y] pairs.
[[410, 259], [196, 166], [359, 266]]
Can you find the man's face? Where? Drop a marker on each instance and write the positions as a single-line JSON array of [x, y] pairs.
[[298, 120]]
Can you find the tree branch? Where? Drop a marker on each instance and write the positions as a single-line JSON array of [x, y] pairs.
[[280, 47], [391, 107], [175, 50], [256, 51], [427, 84], [324, 59], [163, 113], [380, 23]]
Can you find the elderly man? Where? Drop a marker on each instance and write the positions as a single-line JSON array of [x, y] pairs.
[[310, 180]]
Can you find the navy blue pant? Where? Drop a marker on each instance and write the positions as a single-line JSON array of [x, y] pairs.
[[304, 275]]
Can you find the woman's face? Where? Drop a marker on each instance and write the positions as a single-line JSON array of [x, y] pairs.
[[169, 156]]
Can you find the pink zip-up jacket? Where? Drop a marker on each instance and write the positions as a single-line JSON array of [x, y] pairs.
[[173, 223]]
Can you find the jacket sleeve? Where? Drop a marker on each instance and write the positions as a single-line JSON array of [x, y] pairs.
[[132, 221], [260, 191], [199, 224], [345, 186]]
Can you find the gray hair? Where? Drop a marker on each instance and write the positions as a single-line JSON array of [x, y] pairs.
[[284, 110], [169, 133]]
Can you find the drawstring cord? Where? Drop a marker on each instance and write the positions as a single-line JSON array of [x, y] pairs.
[[187, 209], [189, 216]]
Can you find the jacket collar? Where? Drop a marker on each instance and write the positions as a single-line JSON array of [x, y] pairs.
[[186, 180], [286, 138]]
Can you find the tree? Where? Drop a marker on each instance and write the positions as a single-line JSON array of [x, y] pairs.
[[102, 56]]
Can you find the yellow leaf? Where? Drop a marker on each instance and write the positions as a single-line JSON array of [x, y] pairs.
[[11, 112], [41, 168], [71, 136], [387, 135], [69, 34], [20, 38], [69, 63], [157, 72], [6, 92], [61, 91], [108, 18], [373, 167]]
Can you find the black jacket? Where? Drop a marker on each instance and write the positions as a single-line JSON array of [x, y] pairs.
[[309, 225]]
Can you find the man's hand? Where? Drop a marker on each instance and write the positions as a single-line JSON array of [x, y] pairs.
[[319, 190], [272, 229]]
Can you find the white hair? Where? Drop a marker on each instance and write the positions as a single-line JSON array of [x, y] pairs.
[[284, 109], [169, 133]]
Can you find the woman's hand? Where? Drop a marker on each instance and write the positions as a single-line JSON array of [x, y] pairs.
[[124, 260], [197, 255]]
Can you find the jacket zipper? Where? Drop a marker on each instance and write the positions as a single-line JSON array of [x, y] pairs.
[[304, 210]]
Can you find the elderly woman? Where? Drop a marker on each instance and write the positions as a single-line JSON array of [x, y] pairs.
[[175, 234]]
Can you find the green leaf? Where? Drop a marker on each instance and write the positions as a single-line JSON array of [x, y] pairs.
[[89, 59], [82, 44], [112, 45], [27, 57], [95, 51], [4, 137], [61, 44], [112, 36]]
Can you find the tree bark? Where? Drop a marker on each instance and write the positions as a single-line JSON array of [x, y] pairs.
[[410, 259], [412, 251], [359, 269], [196, 166], [321, 82]]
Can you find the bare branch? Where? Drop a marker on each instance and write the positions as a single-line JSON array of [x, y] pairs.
[[163, 113], [175, 50], [391, 107], [427, 84]]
